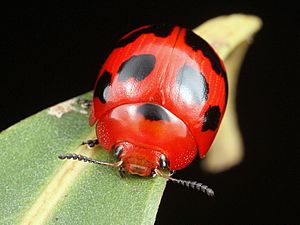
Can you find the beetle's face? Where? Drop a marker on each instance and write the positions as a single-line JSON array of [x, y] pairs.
[[136, 159]]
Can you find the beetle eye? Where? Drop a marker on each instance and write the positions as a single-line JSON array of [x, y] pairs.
[[163, 162], [118, 150]]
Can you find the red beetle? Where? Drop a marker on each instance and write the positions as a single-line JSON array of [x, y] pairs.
[[158, 100]]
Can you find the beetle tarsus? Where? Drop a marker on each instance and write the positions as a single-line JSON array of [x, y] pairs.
[[90, 143], [122, 172], [85, 103]]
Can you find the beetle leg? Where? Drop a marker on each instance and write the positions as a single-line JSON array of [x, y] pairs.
[[122, 172], [90, 143], [85, 103]]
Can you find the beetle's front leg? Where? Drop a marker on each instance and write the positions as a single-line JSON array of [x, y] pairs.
[[90, 143]]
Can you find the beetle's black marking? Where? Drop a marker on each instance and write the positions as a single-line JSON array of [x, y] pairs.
[[211, 118], [102, 86], [162, 30], [138, 67], [226, 89], [198, 43], [153, 112], [192, 85]]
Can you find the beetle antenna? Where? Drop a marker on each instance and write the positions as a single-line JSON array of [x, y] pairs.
[[187, 183], [89, 160]]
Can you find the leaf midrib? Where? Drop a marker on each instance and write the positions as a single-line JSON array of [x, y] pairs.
[[55, 190]]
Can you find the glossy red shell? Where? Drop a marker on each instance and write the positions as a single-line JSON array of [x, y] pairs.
[[166, 85]]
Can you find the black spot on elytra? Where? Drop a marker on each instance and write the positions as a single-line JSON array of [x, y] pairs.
[[192, 85], [197, 43], [162, 30], [211, 118], [153, 112], [102, 86], [226, 89], [137, 67]]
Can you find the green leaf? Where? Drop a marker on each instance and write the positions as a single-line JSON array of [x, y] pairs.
[[38, 188]]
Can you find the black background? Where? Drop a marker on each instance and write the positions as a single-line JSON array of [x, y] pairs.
[[53, 52]]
